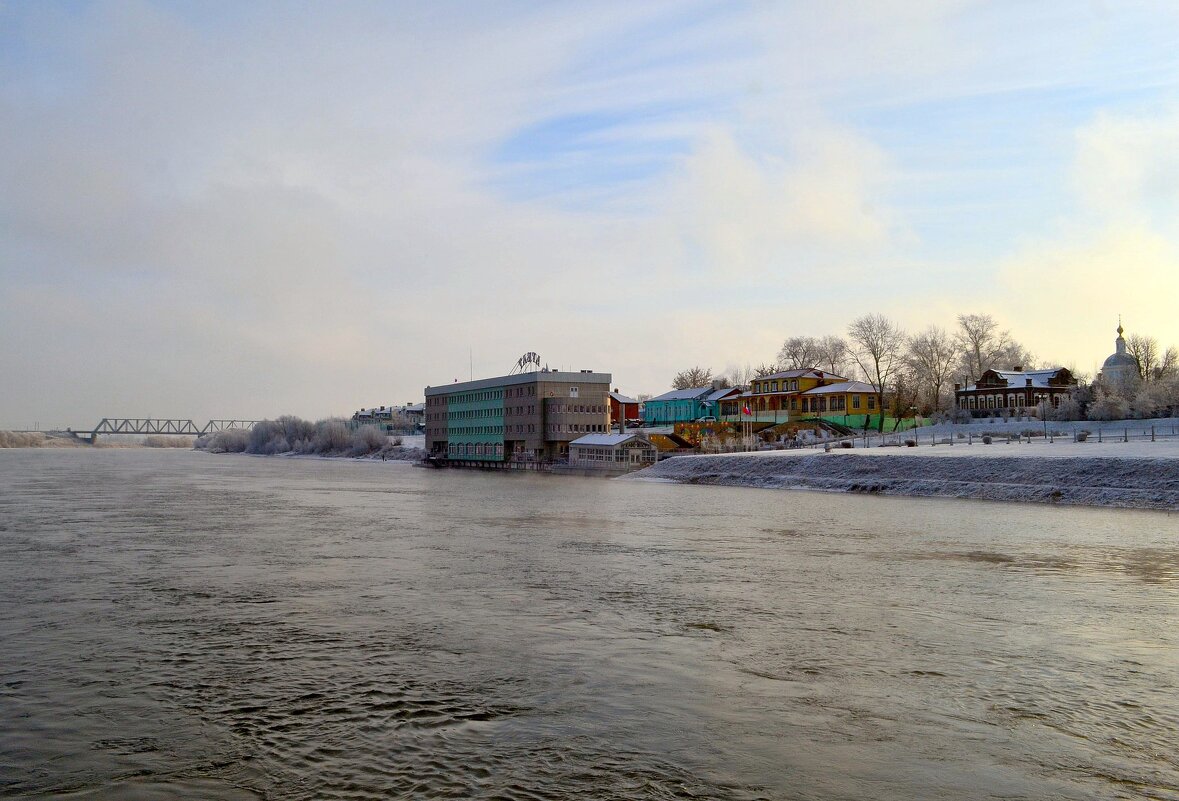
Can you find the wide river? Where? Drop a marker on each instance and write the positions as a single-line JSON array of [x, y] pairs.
[[181, 625]]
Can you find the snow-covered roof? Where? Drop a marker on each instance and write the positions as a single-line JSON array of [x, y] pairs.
[[416, 407], [787, 374], [618, 396], [840, 388], [606, 440], [798, 373], [1016, 380], [683, 394], [717, 394]]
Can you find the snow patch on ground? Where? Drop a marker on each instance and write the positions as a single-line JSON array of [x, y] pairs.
[[1107, 474]]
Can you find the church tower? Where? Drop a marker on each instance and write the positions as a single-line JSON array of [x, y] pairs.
[[1120, 370]]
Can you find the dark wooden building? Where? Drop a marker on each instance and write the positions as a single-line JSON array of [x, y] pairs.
[[1017, 391]]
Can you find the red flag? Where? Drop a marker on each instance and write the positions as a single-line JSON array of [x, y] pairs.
[[745, 410]]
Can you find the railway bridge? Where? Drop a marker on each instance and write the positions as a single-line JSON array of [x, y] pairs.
[[173, 426]]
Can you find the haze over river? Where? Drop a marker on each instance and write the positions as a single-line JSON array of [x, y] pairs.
[[182, 625]]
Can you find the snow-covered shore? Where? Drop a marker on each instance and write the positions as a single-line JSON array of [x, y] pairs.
[[1134, 474]]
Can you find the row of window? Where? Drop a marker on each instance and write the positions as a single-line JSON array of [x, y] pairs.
[[465, 397], [576, 428], [456, 449], [458, 430], [468, 414], [773, 386], [1004, 401], [610, 455], [566, 408], [816, 403]]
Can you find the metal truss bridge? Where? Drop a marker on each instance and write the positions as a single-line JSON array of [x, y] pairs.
[[152, 425]]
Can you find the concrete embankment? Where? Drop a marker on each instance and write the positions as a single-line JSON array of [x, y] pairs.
[[1144, 483]]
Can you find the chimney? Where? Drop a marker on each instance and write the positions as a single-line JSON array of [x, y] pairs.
[[957, 386], [1019, 368], [1027, 382]]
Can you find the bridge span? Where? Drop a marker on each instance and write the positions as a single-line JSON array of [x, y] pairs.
[[174, 426]]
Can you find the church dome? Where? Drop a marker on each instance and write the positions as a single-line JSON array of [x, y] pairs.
[[1119, 360], [1120, 368]]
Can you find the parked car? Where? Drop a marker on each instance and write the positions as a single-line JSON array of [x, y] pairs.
[[705, 419]]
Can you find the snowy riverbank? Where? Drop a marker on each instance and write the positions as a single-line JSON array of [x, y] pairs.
[[1134, 474]]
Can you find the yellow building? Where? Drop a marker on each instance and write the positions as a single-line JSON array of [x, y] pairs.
[[783, 391], [846, 397]]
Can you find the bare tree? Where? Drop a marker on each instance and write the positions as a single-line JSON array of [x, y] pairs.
[[1145, 351], [643, 397], [1016, 355], [763, 369], [905, 392], [985, 347], [932, 355], [1169, 364], [739, 376], [798, 353], [877, 343], [832, 355], [692, 377]]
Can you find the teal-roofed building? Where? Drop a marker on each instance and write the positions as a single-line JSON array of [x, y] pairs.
[[685, 405]]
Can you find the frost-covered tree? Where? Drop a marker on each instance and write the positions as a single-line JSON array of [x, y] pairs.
[[1168, 364], [1108, 405], [692, 377], [798, 353], [1150, 399], [985, 347], [739, 376], [833, 355], [932, 356], [1145, 351], [905, 392], [877, 345]]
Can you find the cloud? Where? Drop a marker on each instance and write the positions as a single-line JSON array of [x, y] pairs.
[[1068, 291], [1117, 254], [1128, 166], [238, 211], [747, 213]]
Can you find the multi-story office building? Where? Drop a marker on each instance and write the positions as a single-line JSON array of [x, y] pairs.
[[524, 417]]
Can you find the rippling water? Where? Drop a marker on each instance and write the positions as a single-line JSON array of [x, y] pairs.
[[179, 625]]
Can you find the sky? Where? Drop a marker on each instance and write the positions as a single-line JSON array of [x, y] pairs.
[[234, 209]]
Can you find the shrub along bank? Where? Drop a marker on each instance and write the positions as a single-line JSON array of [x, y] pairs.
[[292, 435]]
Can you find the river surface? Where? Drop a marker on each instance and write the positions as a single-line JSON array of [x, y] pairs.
[[182, 625]]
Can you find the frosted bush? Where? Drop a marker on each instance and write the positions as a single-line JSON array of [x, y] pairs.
[[1108, 406], [333, 436], [232, 441], [367, 439]]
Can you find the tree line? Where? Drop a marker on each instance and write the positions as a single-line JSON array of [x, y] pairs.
[[918, 370]]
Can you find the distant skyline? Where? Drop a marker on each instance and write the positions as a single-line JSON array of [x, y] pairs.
[[243, 209]]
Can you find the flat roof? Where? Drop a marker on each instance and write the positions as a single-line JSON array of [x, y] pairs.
[[519, 378], [609, 440]]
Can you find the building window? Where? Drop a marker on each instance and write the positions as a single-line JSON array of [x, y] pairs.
[[573, 392]]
